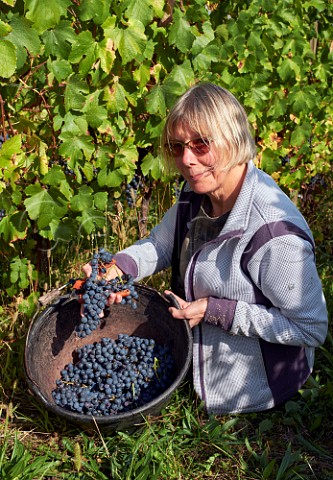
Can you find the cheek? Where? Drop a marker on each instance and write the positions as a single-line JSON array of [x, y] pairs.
[[178, 163]]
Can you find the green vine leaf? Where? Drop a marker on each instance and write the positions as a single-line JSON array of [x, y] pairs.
[[13, 228], [130, 41], [101, 200], [45, 15], [138, 9], [75, 124], [61, 69], [43, 207], [108, 178], [5, 29], [74, 93], [65, 230], [20, 272], [269, 161], [7, 58], [90, 220], [10, 150], [152, 165], [58, 40], [95, 114], [304, 100], [25, 38], [83, 200], [106, 53], [95, 10], [115, 97], [54, 177], [156, 104], [75, 147], [289, 70], [301, 134], [180, 33]]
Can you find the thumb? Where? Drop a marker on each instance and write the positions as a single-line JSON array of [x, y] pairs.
[[175, 301]]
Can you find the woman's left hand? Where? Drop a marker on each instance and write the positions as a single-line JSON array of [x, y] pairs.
[[194, 312]]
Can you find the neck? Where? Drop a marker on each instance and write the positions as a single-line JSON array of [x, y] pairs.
[[224, 200]]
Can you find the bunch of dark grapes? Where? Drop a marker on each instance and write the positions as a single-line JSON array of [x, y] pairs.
[[317, 181], [68, 171], [285, 160], [131, 190], [96, 290], [2, 139], [113, 376], [2, 214]]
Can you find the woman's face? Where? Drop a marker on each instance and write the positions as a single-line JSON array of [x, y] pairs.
[[204, 172]]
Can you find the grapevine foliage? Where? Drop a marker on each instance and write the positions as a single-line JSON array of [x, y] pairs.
[[85, 87]]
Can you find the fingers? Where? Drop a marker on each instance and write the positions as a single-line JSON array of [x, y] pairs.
[[114, 298], [180, 300], [193, 312], [111, 272], [87, 269]]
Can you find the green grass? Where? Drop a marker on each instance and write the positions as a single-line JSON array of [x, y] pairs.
[[291, 442]]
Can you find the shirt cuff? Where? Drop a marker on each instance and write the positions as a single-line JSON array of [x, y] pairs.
[[126, 264], [220, 312]]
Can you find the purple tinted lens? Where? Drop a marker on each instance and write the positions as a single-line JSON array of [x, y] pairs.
[[200, 146], [176, 149]]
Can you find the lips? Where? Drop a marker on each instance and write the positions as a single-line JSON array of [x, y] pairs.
[[196, 176]]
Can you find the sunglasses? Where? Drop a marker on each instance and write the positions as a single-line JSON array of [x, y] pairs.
[[198, 146]]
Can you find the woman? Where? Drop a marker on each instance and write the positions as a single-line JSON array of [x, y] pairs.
[[242, 257]]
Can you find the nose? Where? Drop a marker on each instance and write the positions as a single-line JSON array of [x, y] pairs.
[[188, 158]]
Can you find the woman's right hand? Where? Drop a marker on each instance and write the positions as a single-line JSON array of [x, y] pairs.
[[112, 272]]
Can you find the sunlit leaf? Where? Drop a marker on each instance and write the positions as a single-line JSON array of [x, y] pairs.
[[82, 200], [156, 101], [130, 41], [75, 146], [152, 165], [138, 9], [109, 178], [7, 58], [14, 227], [95, 113], [58, 40], [95, 10], [61, 69], [180, 32], [74, 93], [46, 14]]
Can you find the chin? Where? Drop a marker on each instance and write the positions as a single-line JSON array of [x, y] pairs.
[[200, 187]]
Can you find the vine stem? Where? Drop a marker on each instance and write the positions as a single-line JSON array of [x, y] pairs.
[[3, 115]]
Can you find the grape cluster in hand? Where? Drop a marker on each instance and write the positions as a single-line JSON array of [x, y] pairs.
[[96, 290], [114, 376]]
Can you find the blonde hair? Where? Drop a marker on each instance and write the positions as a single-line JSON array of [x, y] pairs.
[[212, 112]]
